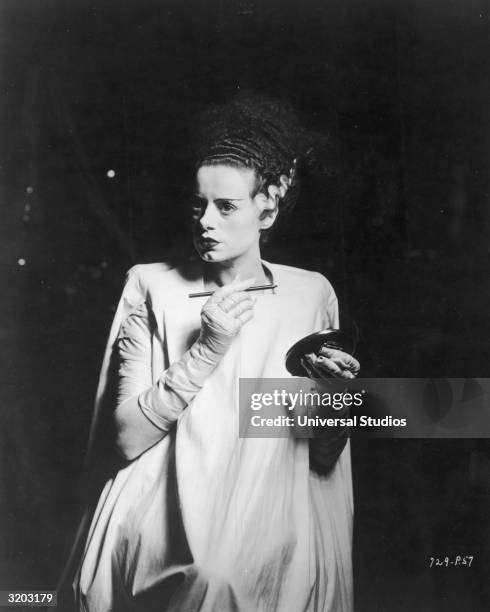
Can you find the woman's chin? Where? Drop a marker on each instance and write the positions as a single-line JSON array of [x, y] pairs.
[[211, 256]]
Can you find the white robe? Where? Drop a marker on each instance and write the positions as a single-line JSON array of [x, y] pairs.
[[205, 520]]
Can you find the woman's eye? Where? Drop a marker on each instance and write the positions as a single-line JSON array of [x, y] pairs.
[[226, 207]]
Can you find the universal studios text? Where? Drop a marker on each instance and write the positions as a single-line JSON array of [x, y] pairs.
[[269, 409]]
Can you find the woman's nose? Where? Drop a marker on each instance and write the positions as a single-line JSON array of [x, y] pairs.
[[208, 217]]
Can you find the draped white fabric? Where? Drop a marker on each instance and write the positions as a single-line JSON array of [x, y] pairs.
[[205, 520]]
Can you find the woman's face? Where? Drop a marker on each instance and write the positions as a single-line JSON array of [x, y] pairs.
[[226, 219]]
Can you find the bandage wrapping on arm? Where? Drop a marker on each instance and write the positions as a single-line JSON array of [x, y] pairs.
[[325, 450], [327, 445], [163, 402], [329, 441]]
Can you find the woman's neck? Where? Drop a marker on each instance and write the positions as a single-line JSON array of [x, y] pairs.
[[219, 274]]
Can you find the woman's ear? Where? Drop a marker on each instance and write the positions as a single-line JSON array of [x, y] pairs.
[[285, 184], [270, 203], [269, 207]]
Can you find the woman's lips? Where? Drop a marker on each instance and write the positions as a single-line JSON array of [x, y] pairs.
[[207, 243]]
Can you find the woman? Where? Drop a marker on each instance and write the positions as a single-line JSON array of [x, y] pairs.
[[200, 519]]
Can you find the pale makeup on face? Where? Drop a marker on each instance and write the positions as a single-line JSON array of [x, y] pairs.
[[226, 219]]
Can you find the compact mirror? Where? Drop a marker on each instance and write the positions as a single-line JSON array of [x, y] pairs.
[[330, 338]]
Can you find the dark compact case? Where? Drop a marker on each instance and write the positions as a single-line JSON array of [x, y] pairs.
[[329, 338]]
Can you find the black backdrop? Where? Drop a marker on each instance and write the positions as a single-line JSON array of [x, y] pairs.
[[402, 233]]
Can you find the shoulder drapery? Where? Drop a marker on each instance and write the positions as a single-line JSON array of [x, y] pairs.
[[133, 296], [94, 473]]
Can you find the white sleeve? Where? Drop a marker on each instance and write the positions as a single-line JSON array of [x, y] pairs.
[[159, 403], [133, 347], [329, 298]]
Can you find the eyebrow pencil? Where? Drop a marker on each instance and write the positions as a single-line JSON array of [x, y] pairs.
[[256, 288]]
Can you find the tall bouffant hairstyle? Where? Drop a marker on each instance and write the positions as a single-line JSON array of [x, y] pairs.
[[264, 134]]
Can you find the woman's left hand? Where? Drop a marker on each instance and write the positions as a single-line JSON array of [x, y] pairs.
[[330, 363]]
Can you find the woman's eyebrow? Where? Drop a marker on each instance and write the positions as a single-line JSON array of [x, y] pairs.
[[199, 197]]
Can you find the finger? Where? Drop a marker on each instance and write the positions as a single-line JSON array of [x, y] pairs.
[[332, 353], [327, 365], [332, 368], [214, 316], [314, 371], [349, 366], [342, 365], [244, 317], [233, 300], [227, 304], [337, 355], [232, 287], [242, 307], [341, 358], [355, 366], [307, 369]]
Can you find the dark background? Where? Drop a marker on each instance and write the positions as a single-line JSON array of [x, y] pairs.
[[402, 233]]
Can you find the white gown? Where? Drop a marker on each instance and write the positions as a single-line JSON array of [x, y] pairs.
[[204, 520]]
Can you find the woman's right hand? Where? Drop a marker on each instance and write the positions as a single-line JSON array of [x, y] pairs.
[[224, 314]]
